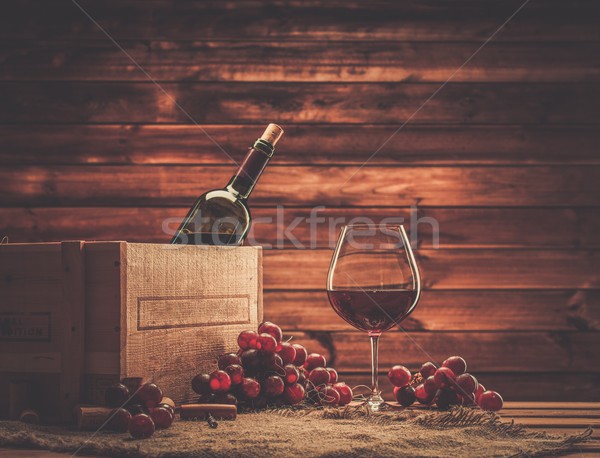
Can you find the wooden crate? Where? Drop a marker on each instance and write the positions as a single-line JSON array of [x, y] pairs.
[[77, 316]]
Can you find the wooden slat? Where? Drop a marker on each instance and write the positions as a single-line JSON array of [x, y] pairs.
[[519, 352], [299, 61], [305, 186], [452, 269], [458, 227], [303, 144], [556, 414], [211, 103], [280, 20], [558, 405], [73, 332], [451, 310], [512, 386]]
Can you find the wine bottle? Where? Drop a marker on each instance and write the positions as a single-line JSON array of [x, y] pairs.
[[221, 216]]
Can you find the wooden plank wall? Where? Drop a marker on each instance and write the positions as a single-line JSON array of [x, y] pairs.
[[504, 157]]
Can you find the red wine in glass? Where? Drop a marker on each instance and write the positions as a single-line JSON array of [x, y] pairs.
[[358, 308]]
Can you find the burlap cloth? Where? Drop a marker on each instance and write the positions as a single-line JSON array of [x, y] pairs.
[[349, 432]]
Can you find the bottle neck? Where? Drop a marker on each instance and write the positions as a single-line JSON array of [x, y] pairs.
[[242, 183]]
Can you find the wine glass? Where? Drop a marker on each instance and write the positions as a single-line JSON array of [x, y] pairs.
[[373, 283]]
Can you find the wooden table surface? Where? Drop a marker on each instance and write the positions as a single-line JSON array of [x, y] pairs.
[[552, 417]]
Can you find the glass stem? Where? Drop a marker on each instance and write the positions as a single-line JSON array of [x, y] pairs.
[[374, 365]]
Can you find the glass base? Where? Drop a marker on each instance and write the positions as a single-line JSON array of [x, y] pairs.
[[376, 403]]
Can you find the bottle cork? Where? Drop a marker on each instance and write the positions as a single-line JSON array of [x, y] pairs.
[[90, 417], [201, 411], [168, 401], [272, 134]]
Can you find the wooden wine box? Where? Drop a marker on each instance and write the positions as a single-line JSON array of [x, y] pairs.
[[78, 316]]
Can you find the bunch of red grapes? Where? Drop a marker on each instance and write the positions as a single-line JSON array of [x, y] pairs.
[[445, 386], [268, 371], [140, 409]]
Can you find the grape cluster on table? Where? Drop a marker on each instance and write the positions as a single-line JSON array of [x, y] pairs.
[[267, 371], [138, 409], [443, 386]]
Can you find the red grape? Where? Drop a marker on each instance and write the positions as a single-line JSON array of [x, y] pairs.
[[314, 360], [150, 395], [228, 359], [319, 376], [236, 373], [466, 384], [429, 385], [405, 395], [119, 420], [427, 370], [247, 340], [116, 395], [422, 396], [333, 375], [456, 364], [201, 384], [303, 377], [251, 360], [345, 393], [220, 382], [301, 354], [141, 426], [480, 389], [270, 328], [250, 388], [267, 343], [161, 417], [273, 386], [446, 398], [272, 362], [399, 376], [444, 377], [293, 394], [291, 374], [328, 395], [491, 400], [287, 352], [467, 400]]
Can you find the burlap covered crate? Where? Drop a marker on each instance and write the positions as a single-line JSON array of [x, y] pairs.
[[77, 316]]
